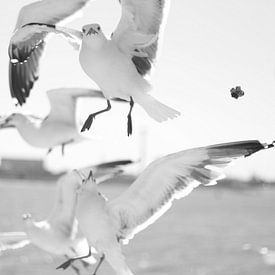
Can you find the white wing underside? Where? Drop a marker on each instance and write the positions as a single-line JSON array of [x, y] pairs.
[[13, 240], [34, 34], [63, 213], [139, 30], [63, 102], [49, 11], [172, 177]]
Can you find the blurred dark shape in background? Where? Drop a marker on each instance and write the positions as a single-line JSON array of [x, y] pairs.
[[31, 169]]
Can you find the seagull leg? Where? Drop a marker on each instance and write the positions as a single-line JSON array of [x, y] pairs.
[[85, 264], [64, 144], [91, 117], [66, 264], [129, 118], [99, 264], [49, 151], [76, 269], [63, 149]]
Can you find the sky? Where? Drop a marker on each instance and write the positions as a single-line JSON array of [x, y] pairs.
[[208, 48]]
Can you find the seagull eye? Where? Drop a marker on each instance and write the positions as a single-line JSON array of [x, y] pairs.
[[98, 28], [83, 30]]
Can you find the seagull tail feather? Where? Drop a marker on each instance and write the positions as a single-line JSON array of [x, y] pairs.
[[155, 109]]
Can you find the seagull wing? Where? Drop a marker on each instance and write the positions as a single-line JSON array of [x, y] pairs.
[[13, 240], [173, 177], [26, 47], [63, 103], [63, 213], [139, 29]]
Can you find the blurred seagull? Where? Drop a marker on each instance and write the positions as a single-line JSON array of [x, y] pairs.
[[59, 234], [59, 127], [268, 255], [118, 65], [26, 48], [108, 224]]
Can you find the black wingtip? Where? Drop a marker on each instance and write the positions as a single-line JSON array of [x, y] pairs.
[[90, 176], [248, 147], [257, 146], [270, 145], [112, 164], [24, 69]]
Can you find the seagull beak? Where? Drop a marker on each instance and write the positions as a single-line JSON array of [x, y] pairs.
[[91, 31], [91, 176], [5, 124], [26, 216]]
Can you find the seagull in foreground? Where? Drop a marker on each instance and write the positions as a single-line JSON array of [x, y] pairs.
[[119, 65], [59, 234], [59, 127], [108, 224]]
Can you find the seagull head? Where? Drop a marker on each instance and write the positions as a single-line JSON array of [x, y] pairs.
[[87, 179], [93, 35], [27, 217], [12, 120]]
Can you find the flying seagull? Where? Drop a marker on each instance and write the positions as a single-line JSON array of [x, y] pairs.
[[59, 234], [26, 49], [108, 224], [59, 127], [119, 65]]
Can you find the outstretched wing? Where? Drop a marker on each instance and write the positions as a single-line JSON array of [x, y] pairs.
[[63, 213], [26, 47], [139, 29], [13, 240], [173, 177], [63, 102]]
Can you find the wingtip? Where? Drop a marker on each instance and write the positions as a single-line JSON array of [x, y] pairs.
[[269, 145]]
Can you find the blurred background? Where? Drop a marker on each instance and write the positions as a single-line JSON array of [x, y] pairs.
[[208, 48]]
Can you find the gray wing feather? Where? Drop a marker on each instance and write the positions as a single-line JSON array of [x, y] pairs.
[[25, 54], [173, 177], [149, 17]]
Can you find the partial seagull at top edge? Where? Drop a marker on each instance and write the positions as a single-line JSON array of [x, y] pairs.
[[120, 66], [59, 234], [109, 224], [26, 49], [59, 127]]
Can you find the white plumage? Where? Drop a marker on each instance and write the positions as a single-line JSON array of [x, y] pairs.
[[59, 127], [107, 224], [118, 65], [59, 233]]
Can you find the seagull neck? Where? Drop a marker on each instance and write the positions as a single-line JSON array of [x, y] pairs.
[[94, 44], [30, 225], [26, 125], [90, 188]]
